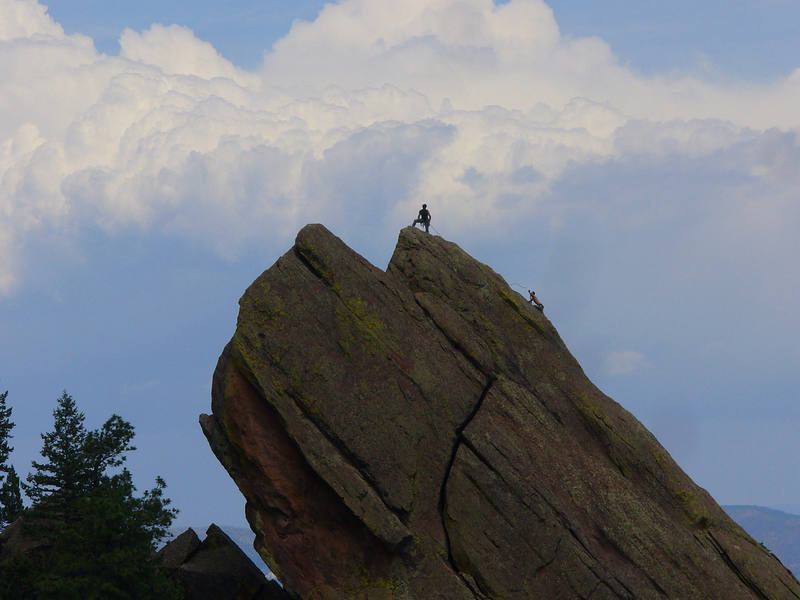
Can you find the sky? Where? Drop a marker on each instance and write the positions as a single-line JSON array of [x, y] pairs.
[[638, 167]]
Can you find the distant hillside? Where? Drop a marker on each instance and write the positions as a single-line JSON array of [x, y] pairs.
[[777, 530]]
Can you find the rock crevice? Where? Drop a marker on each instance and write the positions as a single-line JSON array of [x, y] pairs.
[[753, 586], [443, 493]]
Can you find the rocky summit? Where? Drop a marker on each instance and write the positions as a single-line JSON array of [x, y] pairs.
[[424, 433]]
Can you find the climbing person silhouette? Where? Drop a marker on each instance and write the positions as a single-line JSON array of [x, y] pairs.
[[424, 218], [534, 300]]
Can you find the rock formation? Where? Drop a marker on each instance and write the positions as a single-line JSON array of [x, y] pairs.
[[215, 569], [424, 433]]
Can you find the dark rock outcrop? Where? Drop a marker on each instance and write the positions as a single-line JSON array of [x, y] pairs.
[[215, 569], [179, 550], [424, 433]]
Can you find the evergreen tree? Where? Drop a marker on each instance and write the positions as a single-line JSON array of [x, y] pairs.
[[10, 497], [5, 431], [63, 476], [106, 548], [99, 539]]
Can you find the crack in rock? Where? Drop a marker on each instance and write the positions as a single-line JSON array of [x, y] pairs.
[[443, 494], [729, 561]]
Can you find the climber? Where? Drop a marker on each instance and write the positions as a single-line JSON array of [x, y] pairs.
[[534, 300], [424, 218]]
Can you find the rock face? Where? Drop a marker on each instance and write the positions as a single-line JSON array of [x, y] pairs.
[[424, 433]]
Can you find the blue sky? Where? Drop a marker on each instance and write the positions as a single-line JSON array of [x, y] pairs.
[[637, 166]]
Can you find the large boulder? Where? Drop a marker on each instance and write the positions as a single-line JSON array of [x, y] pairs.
[[424, 433]]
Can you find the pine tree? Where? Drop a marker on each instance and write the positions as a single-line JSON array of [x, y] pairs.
[[5, 431], [99, 539], [63, 477], [10, 497], [11, 506]]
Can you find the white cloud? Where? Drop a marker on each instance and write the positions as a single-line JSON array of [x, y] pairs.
[[476, 53], [354, 119], [176, 51], [25, 19], [623, 362]]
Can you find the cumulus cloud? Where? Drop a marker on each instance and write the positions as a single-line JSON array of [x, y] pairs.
[[176, 51], [476, 53], [354, 119], [23, 19]]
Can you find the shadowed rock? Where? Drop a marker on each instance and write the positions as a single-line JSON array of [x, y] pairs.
[[215, 569], [424, 433], [179, 550]]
